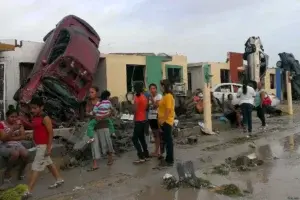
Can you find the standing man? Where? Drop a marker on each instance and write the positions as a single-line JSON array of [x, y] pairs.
[[260, 108]]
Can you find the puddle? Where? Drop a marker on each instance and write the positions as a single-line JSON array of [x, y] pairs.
[[277, 178]]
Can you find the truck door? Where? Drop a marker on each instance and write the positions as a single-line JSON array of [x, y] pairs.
[[2, 91]]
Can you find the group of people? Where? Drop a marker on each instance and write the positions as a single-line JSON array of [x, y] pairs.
[[159, 111], [250, 97], [11, 148], [152, 108]]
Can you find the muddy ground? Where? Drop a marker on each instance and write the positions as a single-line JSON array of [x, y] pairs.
[[126, 181]]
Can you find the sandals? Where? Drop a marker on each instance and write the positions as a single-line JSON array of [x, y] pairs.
[[139, 161], [26, 195], [92, 169], [56, 184], [90, 140]]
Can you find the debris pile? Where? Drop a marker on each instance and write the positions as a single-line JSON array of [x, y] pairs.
[[241, 163], [228, 190], [188, 178]]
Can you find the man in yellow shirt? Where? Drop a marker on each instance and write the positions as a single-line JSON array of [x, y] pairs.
[[166, 115]]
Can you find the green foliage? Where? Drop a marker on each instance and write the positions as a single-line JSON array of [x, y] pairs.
[[14, 193]]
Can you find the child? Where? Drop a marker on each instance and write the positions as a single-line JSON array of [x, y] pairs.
[[101, 109], [42, 137]]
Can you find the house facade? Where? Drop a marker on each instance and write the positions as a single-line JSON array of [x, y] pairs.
[[119, 72], [221, 73]]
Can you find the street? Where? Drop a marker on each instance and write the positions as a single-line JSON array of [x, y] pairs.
[[275, 179]]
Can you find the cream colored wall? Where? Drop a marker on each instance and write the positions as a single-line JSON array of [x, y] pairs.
[[215, 68], [116, 72], [177, 60], [267, 81]]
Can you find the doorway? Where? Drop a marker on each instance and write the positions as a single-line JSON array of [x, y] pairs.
[[134, 74], [25, 70]]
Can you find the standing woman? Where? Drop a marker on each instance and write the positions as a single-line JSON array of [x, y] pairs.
[[246, 95], [152, 117], [140, 118], [166, 115]]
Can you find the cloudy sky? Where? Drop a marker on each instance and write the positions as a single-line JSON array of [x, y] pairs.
[[204, 30]]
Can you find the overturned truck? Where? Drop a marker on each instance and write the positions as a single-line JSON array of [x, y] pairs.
[[63, 72], [289, 63]]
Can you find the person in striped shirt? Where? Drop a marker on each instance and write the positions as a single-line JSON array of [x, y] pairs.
[[101, 109]]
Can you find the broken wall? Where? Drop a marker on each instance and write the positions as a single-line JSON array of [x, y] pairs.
[[178, 60], [116, 72], [25, 52]]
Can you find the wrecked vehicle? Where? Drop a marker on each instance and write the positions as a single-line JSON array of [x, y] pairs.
[[289, 63], [63, 71]]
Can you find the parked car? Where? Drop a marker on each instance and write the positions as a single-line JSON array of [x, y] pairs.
[[231, 88], [64, 69]]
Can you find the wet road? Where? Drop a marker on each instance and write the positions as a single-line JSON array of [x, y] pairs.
[[276, 179]]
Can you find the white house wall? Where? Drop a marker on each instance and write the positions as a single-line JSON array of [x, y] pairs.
[[27, 53]]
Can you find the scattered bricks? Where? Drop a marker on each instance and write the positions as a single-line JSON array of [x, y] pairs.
[[192, 139]]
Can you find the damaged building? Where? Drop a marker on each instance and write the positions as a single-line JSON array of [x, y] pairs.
[[117, 71], [16, 62]]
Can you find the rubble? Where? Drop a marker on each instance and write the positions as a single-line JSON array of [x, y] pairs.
[[241, 163], [188, 178], [229, 190]]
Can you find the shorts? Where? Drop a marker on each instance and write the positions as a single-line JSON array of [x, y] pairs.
[[153, 124], [40, 160], [6, 149]]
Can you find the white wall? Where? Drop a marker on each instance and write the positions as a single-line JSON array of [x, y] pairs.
[[28, 52], [197, 77]]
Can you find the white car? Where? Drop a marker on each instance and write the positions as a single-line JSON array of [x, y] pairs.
[[232, 88]]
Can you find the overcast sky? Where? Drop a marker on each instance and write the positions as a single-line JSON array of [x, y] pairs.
[[203, 30]]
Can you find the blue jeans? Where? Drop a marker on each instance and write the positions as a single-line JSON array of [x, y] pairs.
[[247, 115]]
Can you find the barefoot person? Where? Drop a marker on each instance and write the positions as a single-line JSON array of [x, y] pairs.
[[42, 137], [166, 116], [154, 99]]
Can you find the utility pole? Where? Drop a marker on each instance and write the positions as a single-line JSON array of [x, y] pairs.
[[207, 98], [289, 92]]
